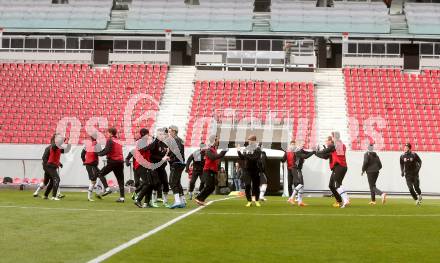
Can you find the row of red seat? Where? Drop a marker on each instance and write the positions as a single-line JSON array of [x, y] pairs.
[[377, 81], [23, 81], [83, 88], [388, 99], [387, 71], [55, 66], [53, 78], [251, 86], [275, 98], [370, 87], [400, 78], [92, 74]]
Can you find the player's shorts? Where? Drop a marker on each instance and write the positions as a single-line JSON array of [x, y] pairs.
[[92, 171], [263, 178]]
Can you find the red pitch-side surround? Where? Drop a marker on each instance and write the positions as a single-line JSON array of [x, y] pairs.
[[288, 98], [34, 97], [409, 104]]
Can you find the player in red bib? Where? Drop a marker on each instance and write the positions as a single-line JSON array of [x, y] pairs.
[[335, 153], [53, 163], [210, 169], [289, 157], [295, 159], [46, 178], [115, 163], [89, 156]]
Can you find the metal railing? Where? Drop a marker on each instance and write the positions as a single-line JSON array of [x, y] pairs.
[[46, 50], [254, 52]]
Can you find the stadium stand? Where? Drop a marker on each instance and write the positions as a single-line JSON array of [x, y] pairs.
[[423, 18], [228, 15], [252, 99], [34, 97], [354, 17], [407, 102], [82, 14]]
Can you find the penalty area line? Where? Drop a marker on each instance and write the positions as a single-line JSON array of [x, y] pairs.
[[135, 240]]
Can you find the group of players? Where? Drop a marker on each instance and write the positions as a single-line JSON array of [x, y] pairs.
[[152, 154], [149, 151], [335, 152]]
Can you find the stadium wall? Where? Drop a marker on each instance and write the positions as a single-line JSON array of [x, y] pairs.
[[316, 171], [137, 58], [254, 75], [46, 56]]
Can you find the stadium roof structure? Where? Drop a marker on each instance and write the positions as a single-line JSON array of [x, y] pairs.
[[403, 23], [218, 33], [122, 32]]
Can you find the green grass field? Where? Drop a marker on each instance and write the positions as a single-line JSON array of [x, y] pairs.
[[74, 230]]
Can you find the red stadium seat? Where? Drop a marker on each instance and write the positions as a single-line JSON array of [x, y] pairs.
[[35, 181], [17, 180], [70, 89], [398, 99], [248, 99], [111, 183]]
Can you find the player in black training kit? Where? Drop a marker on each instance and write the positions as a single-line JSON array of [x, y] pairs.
[[263, 172], [410, 164], [159, 151], [198, 160], [372, 166], [53, 163], [177, 165], [46, 178], [136, 176], [298, 179], [251, 156], [148, 178]]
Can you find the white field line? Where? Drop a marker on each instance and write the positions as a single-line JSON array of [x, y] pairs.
[[135, 240]]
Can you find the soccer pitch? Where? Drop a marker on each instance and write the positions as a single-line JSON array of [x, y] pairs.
[[74, 230]]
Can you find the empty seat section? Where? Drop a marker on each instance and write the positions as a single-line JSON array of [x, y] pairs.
[[408, 104], [35, 97], [264, 102]]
